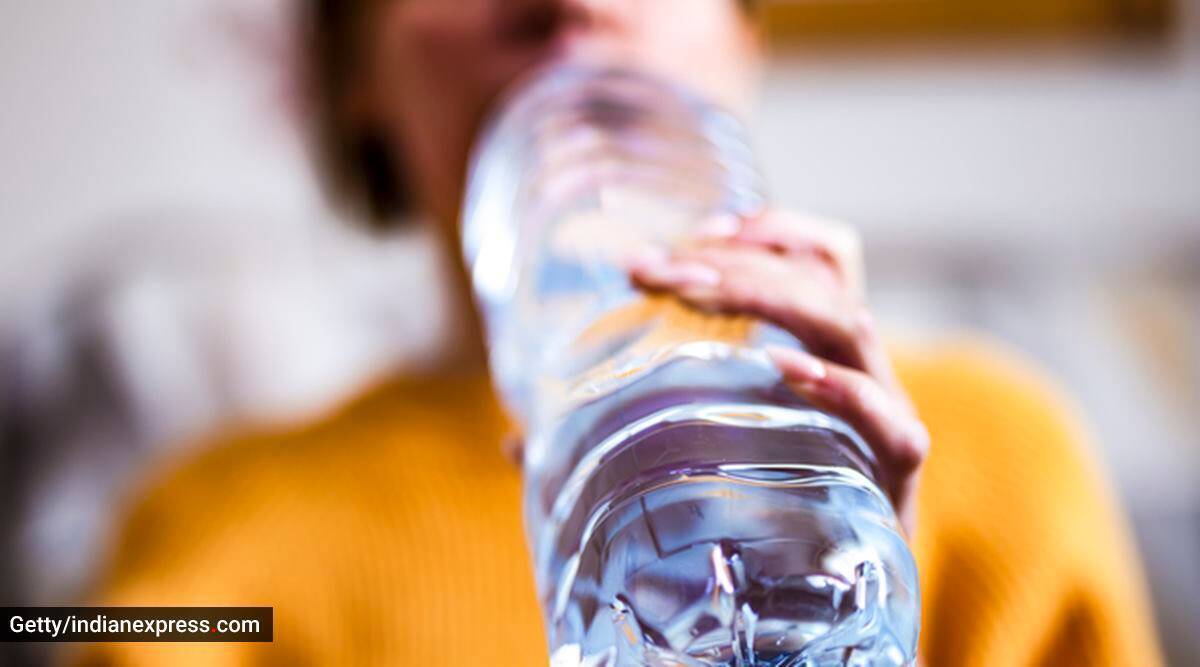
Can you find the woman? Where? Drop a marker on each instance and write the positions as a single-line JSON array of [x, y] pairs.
[[388, 533]]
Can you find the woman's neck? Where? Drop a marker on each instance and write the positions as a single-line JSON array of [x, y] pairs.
[[464, 347]]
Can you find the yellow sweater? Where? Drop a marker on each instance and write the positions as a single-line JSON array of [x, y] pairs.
[[389, 533]]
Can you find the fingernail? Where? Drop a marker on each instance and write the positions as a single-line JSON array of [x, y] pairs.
[[718, 227], [865, 320], [693, 274], [797, 365], [647, 256]]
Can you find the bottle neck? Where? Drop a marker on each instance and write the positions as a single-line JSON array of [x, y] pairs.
[[581, 167]]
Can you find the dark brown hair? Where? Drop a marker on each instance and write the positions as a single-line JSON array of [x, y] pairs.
[[358, 169]]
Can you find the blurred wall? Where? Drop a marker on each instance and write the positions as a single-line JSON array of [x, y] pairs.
[[1048, 196], [1058, 184], [166, 264], [114, 107]]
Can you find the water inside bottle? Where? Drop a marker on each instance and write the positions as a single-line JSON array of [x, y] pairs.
[[683, 506], [700, 514]]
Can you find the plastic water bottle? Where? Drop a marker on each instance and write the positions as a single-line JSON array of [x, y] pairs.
[[682, 505]]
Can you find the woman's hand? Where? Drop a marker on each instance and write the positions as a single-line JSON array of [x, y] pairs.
[[804, 275]]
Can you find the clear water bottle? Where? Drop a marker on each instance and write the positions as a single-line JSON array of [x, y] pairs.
[[683, 506]]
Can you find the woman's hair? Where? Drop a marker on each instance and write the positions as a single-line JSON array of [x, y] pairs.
[[357, 166], [355, 163]]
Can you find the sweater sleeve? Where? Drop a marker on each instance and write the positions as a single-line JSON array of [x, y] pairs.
[[207, 534], [377, 534], [1025, 555]]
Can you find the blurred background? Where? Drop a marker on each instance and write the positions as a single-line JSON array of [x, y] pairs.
[[1025, 168]]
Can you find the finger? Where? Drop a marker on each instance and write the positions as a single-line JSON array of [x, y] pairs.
[[798, 294], [907, 511], [874, 357], [654, 268], [802, 297], [900, 438], [897, 437], [833, 242]]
